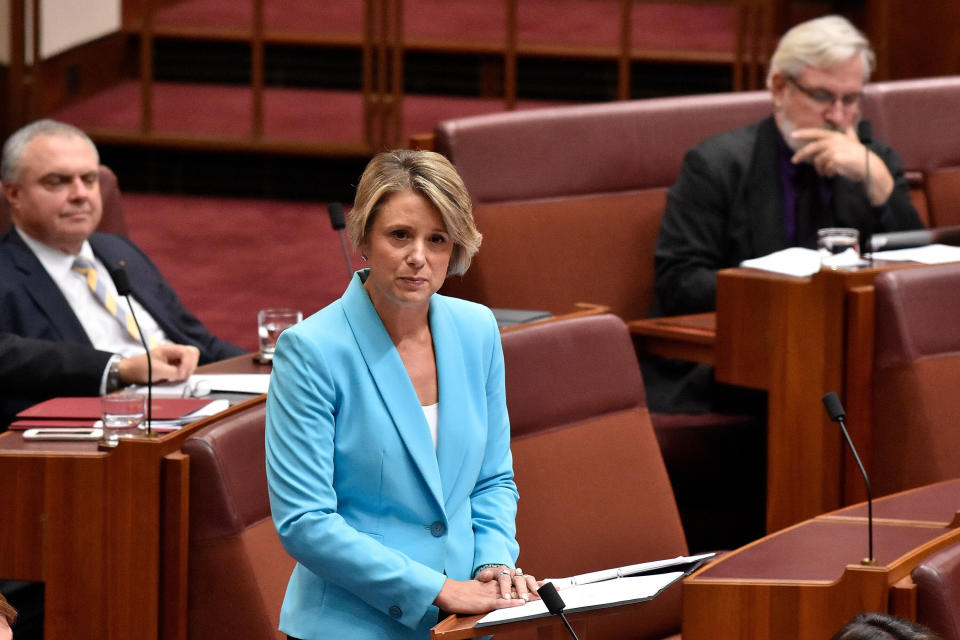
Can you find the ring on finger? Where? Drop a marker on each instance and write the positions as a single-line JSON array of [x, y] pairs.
[[504, 572], [518, 573]]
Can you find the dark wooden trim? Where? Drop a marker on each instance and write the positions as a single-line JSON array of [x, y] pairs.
[[80, 72]]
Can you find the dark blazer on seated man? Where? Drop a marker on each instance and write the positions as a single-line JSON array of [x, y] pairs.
[[34, 370], [29, 366], [31, 304]]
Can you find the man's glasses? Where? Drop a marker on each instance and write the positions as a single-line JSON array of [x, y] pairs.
[[827, 98]]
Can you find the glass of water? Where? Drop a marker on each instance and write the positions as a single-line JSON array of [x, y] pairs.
[[270, 324], [121, 413], [839, 247]]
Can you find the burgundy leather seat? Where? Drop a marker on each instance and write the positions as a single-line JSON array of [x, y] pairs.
[[594, 492], [938, 592], [238, 570], [915, 440]]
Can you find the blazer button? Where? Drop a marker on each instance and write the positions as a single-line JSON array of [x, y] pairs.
[[395, 612], [437, 529]]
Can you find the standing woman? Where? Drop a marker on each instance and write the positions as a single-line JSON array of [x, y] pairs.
[[388, 441]]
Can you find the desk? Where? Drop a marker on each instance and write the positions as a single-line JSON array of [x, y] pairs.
[[797, 339], [804, 581], [105, 530]]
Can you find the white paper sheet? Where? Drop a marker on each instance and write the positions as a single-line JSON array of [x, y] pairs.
[[589, 596], [795, 261], [930, 254]]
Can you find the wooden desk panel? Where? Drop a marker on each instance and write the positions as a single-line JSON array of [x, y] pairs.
[[104, 529], [805, 581]]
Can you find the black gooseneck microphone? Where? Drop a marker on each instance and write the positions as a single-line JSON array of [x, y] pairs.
[[338, 222], [555, 604], [122, 282], [835, 410], [865, 133]]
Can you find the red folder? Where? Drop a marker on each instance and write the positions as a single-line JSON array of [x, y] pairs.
[[84, 411]]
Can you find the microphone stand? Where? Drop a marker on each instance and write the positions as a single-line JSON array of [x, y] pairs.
[[122, 283], [337, 221], [555, 604], [835, 410]]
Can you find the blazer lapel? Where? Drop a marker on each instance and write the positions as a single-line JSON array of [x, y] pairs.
[[453, 393], [392, 381], [45, 292], [764, 198]]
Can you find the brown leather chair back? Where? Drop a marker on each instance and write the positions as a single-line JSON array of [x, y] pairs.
[[594, 492], [113, 220], [917, 118], [915, 440], [938, 592], [569, 199], [238, 571]]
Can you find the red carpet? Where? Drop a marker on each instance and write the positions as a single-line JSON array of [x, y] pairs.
[[228, 258]]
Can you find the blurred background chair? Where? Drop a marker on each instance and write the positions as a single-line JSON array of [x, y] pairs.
[[938, 592], [238, 570], [594, 492], [916, 375]]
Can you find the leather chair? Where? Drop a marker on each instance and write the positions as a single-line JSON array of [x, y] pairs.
[[594, 492], [916, 375], [113, 220], [938, 592], [569, 200], [238, 570]]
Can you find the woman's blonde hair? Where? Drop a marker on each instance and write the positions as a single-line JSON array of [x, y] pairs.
[[430, 175]]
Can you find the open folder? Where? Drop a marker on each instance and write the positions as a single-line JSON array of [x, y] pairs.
[[607, 588]]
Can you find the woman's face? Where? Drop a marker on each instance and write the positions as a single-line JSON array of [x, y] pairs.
[[408, 250]]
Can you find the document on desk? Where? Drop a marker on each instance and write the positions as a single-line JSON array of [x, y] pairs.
[[929, 254], [585, 597], [202, 384], [795, 261]]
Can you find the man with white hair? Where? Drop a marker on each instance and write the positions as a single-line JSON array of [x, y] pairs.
[[771, 185]]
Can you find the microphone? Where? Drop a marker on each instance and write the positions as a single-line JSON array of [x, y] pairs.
[[555, 604], [835, 410], [916, 238], [122, 282], [337, 221], [865, 133], [900, 239]]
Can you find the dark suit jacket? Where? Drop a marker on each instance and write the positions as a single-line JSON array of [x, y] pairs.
[[727, 206], [34, 370], [32, 306]]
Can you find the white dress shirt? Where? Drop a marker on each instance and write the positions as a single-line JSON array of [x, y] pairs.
[[103, 329]]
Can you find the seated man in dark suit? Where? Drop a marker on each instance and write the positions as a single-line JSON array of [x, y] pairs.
[[771, 185], [56, 278]]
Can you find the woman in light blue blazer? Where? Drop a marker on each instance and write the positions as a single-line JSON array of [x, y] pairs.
[[388, 441]]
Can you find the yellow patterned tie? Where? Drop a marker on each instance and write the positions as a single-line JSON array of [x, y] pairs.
[[101, 293]]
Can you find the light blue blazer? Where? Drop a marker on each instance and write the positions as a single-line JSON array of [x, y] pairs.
[[373, 514]]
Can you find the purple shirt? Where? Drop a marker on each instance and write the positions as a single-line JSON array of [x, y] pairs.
[[789, 183]]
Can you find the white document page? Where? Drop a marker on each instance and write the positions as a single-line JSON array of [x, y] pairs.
[[202, 384], [595, 595], [930, 254], [795, 261]]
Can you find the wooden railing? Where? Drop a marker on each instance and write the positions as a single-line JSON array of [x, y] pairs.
[[383, 43]]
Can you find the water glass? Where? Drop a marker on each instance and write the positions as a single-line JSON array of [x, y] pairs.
[[122, 414], [270, 324], [839, 247]]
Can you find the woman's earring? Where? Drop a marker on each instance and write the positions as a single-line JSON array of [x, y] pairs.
[[363, 257]]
